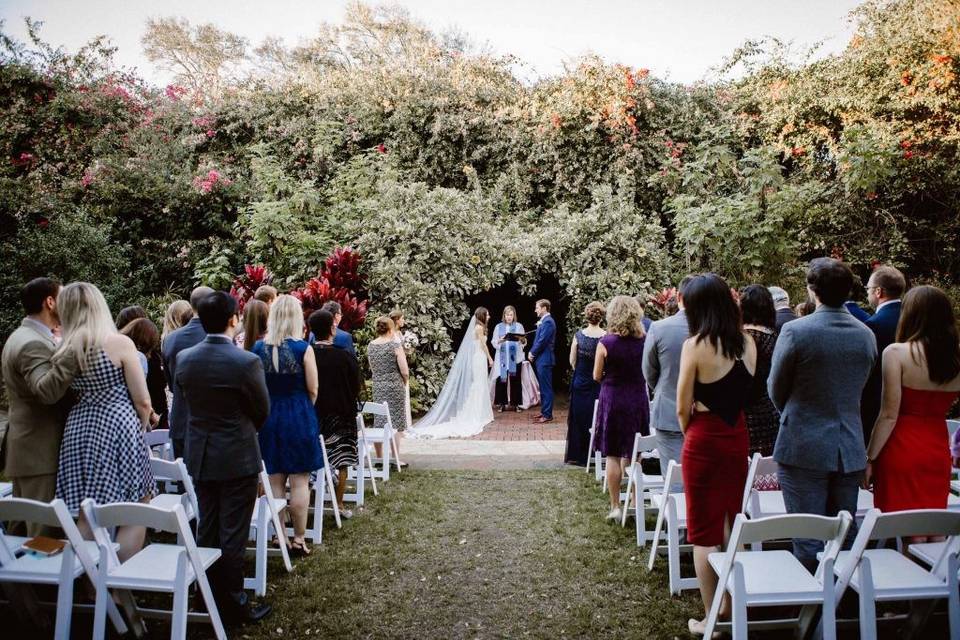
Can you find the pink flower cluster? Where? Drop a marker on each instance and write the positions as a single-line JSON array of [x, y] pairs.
[[175, 92], [116, 91], [87, 178], [210, 181]]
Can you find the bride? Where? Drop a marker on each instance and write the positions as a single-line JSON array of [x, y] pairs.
[[463, 407]]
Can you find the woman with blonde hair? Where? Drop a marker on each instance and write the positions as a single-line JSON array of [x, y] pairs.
[[508, 361], [624, 409], [584, 390], [103, 455], [290, 439], [178, 314]]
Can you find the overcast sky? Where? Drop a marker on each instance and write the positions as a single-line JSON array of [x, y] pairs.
[[678, 39]]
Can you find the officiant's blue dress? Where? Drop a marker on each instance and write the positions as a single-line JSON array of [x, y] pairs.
[[290, 439], [584, 391]]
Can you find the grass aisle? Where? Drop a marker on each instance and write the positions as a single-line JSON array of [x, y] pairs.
[[497, 554]]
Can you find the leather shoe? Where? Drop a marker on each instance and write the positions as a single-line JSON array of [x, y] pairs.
[[241, 609], [543, 420]]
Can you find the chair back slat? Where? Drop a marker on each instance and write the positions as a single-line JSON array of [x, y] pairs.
[[918, 522], [24, 510], [167, 469], [157, 437], [136, 513], [375, 408], [798, 525]]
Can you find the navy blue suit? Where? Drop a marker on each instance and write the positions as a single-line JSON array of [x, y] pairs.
[[187, 336], [343, 340], [883, 324], [543, 362]]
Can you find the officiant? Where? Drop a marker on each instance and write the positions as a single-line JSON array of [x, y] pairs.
[[508, 341]]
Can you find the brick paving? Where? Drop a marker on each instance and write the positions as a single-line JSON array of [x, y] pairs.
[[520, 426]]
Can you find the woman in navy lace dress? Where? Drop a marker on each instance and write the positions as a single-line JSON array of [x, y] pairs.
[[290, 440], [584, 390]]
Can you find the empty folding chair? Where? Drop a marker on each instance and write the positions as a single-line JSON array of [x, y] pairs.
[[641, 484], [672, 514], [882, 575], [158, 441], [78, 557], [264, 522], [322, 486], [593, 431], [776, 578], [167, 568], [385, 436], [167, 473], [364, 468]]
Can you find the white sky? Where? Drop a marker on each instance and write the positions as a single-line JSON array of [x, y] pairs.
[[679, 39]]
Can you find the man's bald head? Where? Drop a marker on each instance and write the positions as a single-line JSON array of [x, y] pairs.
[[197, 295]]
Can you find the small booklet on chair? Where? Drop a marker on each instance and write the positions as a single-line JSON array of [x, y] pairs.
[[44, 546]]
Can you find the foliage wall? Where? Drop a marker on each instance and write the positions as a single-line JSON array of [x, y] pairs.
[[450, 176]]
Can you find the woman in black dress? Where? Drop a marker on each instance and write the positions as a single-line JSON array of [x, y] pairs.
[[759, 321]]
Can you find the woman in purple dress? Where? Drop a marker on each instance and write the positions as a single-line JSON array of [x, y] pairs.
[[624, 408]]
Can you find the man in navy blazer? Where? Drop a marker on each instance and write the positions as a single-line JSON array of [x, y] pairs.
[[341, 339], [884, 289], [185, 337], [541, 355]]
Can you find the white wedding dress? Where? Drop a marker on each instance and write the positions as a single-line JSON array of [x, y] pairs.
[[463, 407]]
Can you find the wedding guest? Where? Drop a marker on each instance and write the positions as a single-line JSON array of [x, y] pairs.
[[507, 362], [820, 365], [35, 396], [584, 390], [670, 308], [343, 340], [388, 366], [226, 400], [781, 302], [190, 334], [884, 290], [624, 409], [338, 374], [255, 315], [759, 322], [266, 294], [178, 314], [146, 339], [103, 455], [289, 441], [399, 322], [805, 308], [717, 366], [128, 315], [646, 321], [661, 366], [542, 357], [907, 461]]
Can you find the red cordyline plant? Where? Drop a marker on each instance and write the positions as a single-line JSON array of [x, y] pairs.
[[342, 270], [244, 286], [661, 299], [340, 280]]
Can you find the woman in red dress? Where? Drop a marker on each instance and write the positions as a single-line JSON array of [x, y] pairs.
[[717, 366], [909, 454]]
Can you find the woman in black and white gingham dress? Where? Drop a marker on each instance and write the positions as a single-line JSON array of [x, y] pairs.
[[103, 455]]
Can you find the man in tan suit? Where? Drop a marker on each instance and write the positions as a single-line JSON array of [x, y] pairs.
[[35, 389]]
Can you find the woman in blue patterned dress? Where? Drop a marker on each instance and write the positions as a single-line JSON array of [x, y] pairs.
[[584, 390], [103, 455], [290, 439]]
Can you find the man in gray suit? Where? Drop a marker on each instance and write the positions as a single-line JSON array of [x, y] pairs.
[[820, 366], [661, 367], [185, 337]]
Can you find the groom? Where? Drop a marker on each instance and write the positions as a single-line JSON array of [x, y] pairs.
[[541, 355]]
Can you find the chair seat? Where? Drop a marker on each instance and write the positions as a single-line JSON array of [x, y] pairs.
[[927, 552], [43, 569], [376, 435], [155, 567], [170, 500], [6, 489], [656, 500], [279, 504], [894, 575], [773, 577], [14, 543]]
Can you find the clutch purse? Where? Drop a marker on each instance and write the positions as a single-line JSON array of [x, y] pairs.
[[44, 546]]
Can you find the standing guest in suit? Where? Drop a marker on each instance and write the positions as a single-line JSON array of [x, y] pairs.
[[266, 294], [185, 337], [661, 366], [884, 290], [339, 375], [35, 392], [225, 399], [908, 462], [820, 366], [542, 357], [624, 409], [343, 340], [178, 314], [290, 440], [716, 381], [146, 339], [781, 302], [584, 390], [759, 322]]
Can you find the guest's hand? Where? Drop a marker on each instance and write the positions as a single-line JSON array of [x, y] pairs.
[[154, 420], [868, 476], [530, 357]]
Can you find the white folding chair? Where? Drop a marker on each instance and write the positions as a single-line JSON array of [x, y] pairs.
[[6, 489], [776, 578], [168, 568], [364, 468], [385, 436], [592, 453], [322, 485], [78, 557], [643, 485], [672, 514], [880, 575], [264, 521], [167, 472], [158, 441]]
